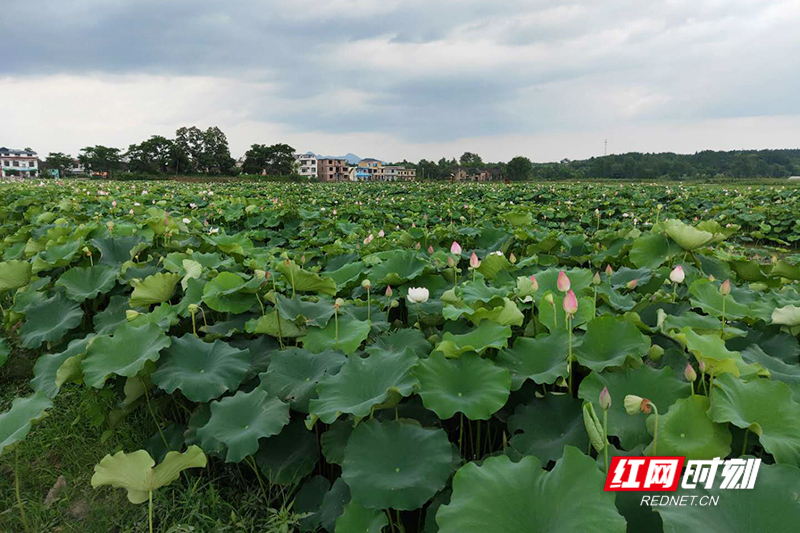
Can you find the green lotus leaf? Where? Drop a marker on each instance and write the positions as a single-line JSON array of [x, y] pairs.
[[616, 299], [507, 314], [712, 351], [662, 387], [788, 315], [470, 385], [271, 324], [400, 267], [237, 244], [580, 279], [346, 274], [199, 419], [770, 506], [486, 335], [359, 519], [701, 324], [652, 251], [201, 370], [765, 408], [49, 320], [493, 264], [172, 434], [107, 320], [14, 274], [164, 316], [554, 319], [294, 373], [786, 270], [114, 251], [688, 237], [124, 354], [334, 441], [56, 254], [305, 281], [399, 341], [383, 469], [545, 426], [315, 314], [542, 360], [135, 473], [473, 292], [308, 502], [47, 366], [154, 289], [82, 283], [363, 384], [289, 456], [229, 293], [624, 275], [239, 421], [567, 499], [351, 333], [706, 296], [610, 341], [16, 422], [686, 430], [333, 504], [778, 370], [193, 270]]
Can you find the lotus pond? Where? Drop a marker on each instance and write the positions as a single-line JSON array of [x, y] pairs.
[[412, 356]]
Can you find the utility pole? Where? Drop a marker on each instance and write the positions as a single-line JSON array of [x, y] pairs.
[[605, 147]]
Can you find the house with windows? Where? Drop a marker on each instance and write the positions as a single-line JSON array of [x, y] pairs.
[[369, 169], [332, 169], [476, 174], [20, 163], [306, 165], [397, 173]]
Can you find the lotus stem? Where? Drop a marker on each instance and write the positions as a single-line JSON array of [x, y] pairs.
[[569, 360], [744, 446], [152, 414], [674, 292], [722, 333], [277, 312], [16, 491], [260, 303], [655, 427], [194, 324], [369, 306], [150, 510], [461, 434], [336, 327], [419, 316], [291, 277], [605, 437]]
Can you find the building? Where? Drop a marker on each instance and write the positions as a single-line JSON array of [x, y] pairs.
[[475, 174], [397, 173], [369, 169], [306, 165], [332, 169], [22, 163]]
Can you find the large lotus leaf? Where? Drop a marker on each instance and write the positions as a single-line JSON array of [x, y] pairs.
[[398, 268], [785, 270], [662, 387], [16, 422], [114, 251], [229, 293], [493, 264], [363, 384], [305, 281], [771, 506], [687, 431], [706, 296], [473, 292], [765, 408], [555, 319], [289, 456], [359, 519], [616, 299], [154, 289], [610, 341], [506, 497], [135, 473], [315, 314], [580, 279], [346, 274], [308, 501], [542, 359], [545, 426], [294, 373], [239, 421], [347, 336], [124, 354], [688, 237], [396, 465], [651, 251], [778, 370], [702, 324], [271, 324], [113, 316], [625, 275], [486, 335], [46, 368], [507, 314], [82, 283], [401, 340], [56, 255], [470, 385], [333, 504], [712, 351], [334, 441], [788, 315], [199, 418], [49, 320], [14, 274], [201, 370]]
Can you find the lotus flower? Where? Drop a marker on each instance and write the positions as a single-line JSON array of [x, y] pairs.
[[596, 278], [430, 250], [609, 271], [632, 284], [702, 365], [418, 295], [570, 303], [455, 248], [677, 275], [725, 288], [634, 404], [474, 262], [563, 283], [535, 283], [689, 372], [388, 291], [512, 258], [381, 233], [605, 399]]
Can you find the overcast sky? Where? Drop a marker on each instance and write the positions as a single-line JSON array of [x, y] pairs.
[[411, 79]]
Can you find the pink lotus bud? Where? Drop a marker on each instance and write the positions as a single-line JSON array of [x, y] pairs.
[[417, 246], [689, 373], [725, 288], [381, 233], [563, 281], [430, 250], [455, 248], [632, 284], [702, 366], [596, 278], [570, 303], [474, 262], [677, 275], [388, 291], [535, 283], [605, 399], [512, 258], [609, 271]]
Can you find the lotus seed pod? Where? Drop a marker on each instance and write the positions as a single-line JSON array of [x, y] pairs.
[[633, 404], [367, 284]]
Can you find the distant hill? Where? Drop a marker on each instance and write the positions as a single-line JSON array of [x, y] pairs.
[[352, 159]]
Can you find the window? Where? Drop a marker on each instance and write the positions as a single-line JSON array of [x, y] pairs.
[[15, 163], [30, 164]]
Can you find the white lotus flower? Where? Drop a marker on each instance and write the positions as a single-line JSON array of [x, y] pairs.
[[418, 295]]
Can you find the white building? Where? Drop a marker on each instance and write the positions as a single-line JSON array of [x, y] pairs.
[[22, 163], [306, 165]]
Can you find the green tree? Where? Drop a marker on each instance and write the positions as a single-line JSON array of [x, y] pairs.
[[100, 159], [59, 162], [519, 169], [470, 159], [153, 156], [274, 160]]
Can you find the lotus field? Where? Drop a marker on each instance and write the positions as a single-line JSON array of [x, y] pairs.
[[416, 356]]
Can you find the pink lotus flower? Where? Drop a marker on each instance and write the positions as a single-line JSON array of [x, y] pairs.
[[388, 291], [474, 262], [677, 275], [535, 283], [609, 271], [570, 303], [430, 250], [381, 233], [725, 288], [689, 373], [563, 281], [455, 248], [632, 284], [605, 399]]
